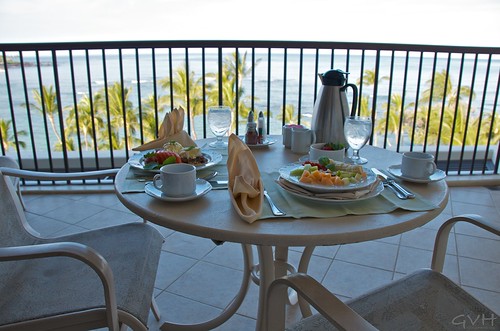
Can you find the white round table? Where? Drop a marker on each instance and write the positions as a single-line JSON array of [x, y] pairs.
[[213, 217]]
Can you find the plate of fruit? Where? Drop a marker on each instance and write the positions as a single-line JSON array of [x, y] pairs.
[[173, 152], [327, 175]]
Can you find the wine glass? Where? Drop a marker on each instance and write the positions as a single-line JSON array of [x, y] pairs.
[[219, 120], [357, 131]]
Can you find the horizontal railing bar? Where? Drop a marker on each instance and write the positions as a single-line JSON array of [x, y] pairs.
[[98, 45]]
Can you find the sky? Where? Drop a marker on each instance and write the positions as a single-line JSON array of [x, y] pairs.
[[436, 22]]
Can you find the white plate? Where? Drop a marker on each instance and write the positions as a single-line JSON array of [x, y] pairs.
[[137, 160], [285, 174], [395, 170], [375, 192], [202, 188], [265, 143]]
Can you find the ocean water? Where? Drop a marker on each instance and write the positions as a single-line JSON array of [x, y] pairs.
[[278, 81]]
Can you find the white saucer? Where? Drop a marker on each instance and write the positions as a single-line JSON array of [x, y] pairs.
[[264, 144], [395, 170], [202, 188]]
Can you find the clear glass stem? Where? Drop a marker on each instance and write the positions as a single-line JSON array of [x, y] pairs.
[[355, 154]]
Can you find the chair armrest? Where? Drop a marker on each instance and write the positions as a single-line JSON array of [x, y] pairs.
[[444, 231], [326, 303], [49, 176], [77, 251]]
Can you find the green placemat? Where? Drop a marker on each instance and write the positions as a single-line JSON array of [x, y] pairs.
[[136, 181], [297, 207]]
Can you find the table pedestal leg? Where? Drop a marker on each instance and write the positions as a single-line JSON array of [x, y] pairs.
[[275, 266], [230, 309], [266, 276]]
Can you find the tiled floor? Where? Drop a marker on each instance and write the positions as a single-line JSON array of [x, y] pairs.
[[197, 279]]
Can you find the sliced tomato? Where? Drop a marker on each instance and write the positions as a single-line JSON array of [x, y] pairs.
[[162, 158]]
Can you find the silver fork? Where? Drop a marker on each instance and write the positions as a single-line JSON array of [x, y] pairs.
[[276, 211]]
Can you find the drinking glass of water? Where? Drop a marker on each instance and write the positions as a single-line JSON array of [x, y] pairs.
[[357, 131], [219, 120]]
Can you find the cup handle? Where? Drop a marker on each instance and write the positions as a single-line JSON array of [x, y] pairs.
[[155, 179], [313, 136], [431, 168]]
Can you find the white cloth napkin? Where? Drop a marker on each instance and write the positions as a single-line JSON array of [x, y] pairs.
[[246, 188], [170, 129], [342, 195]]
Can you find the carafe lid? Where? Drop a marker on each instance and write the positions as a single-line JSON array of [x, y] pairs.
[[334, 77]]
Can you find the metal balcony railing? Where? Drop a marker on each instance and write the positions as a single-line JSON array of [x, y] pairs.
[[83, 106]]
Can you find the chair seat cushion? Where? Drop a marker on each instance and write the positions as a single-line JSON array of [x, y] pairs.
[[51, 286], [425, 300]]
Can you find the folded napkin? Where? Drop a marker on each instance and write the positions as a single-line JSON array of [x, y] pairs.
[[170, 129], [338, 195], [246, 188]]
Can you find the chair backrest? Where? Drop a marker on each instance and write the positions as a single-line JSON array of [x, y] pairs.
[[8, 162], [14, 228]]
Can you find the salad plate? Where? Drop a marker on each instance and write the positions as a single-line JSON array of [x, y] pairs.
[[213, 158], [373, 193], [317, 188], [202, 188]]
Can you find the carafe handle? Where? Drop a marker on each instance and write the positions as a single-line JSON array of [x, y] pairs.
[[354, 97]]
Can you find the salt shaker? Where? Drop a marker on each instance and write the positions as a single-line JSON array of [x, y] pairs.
[[261, 128]]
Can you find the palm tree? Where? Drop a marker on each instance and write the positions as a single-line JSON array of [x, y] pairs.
[[234, 71], [392, 117], [90, 118], [179, 85], [70, 145], [290, 115], [123, 116], [46, 103], [8, 137], [233, 87], [447, 116], [368, 79], [484, 129], [149, 122], [364, 105]]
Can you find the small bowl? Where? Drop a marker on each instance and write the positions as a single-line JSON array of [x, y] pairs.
[[315, 152]]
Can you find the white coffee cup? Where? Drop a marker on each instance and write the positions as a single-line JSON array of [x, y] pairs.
[[316, 151], [302, 138], [286, 132], [176, 180], [418, 165]]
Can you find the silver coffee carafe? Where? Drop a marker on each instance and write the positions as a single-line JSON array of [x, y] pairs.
[[331, 107]]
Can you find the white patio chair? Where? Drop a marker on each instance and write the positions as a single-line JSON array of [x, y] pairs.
[[92, 279], [6, 161], [424, 300]]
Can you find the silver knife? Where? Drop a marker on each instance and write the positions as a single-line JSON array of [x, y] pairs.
[[218, 184], [390, 181]]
